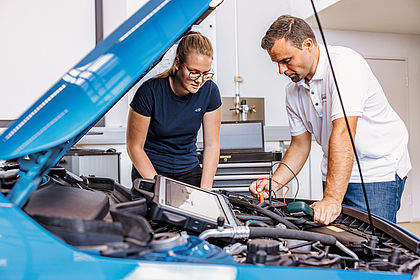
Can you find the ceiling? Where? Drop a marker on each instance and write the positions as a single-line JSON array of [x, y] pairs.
[[391, 16]]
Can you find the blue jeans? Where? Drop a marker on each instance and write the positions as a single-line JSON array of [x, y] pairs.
[[384, 197]]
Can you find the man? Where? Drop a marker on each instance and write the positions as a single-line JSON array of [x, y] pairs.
[[313, 108]]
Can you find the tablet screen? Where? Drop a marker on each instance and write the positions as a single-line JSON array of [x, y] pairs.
[[195, 201]]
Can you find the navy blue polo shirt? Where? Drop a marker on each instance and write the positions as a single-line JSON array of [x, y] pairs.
[[174, 122]]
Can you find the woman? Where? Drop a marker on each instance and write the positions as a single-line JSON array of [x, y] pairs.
[[166, 113]]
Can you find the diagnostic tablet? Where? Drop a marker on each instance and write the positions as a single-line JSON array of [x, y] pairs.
[[191, 207]]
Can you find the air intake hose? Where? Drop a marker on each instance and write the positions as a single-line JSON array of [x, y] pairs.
[[256, 232]]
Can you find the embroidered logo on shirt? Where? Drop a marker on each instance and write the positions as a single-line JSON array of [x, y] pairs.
[[324, 98], [197, 110]]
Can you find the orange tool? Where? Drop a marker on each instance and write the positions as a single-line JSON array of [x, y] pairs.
[[260, 196]]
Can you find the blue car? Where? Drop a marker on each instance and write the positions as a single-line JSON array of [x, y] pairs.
[[57, 225]]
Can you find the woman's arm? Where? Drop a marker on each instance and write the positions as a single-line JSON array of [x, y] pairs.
[[211, 138], [137, 127]]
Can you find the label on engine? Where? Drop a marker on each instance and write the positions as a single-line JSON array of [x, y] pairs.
[[336, 229]]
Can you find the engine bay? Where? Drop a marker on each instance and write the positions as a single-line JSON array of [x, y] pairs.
[[99, 215]]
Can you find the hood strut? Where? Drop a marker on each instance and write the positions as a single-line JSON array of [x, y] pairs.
[[32, 169]]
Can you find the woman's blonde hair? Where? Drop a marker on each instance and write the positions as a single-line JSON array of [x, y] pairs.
[[192, 41]]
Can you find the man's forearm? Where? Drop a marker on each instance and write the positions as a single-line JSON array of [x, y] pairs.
[[295, 157], [340, 164]]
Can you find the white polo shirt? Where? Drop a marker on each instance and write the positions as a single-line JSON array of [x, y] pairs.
[[381, 136]]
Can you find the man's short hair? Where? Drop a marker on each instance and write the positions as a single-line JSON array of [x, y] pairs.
[[293, 29]]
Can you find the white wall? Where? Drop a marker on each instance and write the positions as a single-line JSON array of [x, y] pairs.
[[40, 41], [260, 76], [304, 9]]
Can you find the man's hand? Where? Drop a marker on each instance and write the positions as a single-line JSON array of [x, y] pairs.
[[326, 211], [261, 187]]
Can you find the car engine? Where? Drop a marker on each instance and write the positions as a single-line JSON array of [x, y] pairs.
[[98, 214]]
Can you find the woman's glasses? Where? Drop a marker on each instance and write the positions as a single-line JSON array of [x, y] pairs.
[[194, 75]]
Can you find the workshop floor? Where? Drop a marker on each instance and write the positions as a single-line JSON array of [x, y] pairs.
[[413, 227]]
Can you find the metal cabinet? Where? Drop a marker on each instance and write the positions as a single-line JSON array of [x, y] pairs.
[[93, 162], [237, 170]]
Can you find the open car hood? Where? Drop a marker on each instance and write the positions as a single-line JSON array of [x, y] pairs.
[[88, 90], [51, 126]]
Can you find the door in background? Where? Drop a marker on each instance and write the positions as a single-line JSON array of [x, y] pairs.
[[392, 74]]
